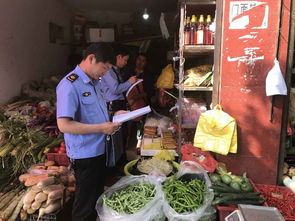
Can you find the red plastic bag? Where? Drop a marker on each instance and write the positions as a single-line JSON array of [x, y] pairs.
[[204, 158]]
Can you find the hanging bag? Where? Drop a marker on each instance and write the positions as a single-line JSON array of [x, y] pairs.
[[216, 132]]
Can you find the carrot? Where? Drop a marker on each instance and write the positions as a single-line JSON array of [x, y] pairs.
[[35, 171], [49, 163], [22, 178], [35, 179], [53, 172], [39, 167], [46, 182], [71, 179], [71, 189], [64, 179], [53, 168]]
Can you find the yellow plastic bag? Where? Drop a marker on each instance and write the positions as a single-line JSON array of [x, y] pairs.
[[216, 132], [166, 79]]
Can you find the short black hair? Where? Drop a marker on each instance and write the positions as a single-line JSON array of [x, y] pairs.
[[102, 51], [121, 50], [142, 54]]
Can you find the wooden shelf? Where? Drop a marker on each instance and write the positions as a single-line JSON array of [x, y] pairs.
[[197, 2], [194, 88], [198, 49], [189, 126]]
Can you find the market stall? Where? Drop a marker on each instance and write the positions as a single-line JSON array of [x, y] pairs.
[[206, 147]]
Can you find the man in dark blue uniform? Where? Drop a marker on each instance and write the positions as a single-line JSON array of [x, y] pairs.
[[82, 116]]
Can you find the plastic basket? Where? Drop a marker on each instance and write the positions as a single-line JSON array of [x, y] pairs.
[[287, 196], [224, 211], [129, 165], [61, 159]]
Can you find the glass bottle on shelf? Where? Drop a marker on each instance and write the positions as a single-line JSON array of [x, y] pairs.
[[193, 30], [200, 31], [187, 30], [208, 34], [212, 28]]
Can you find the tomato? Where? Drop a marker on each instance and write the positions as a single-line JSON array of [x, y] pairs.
[[62, 144], [55, 149], [62, 149]]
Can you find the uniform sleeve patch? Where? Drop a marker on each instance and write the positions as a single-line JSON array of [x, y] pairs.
[[72, 77], [86, 94]]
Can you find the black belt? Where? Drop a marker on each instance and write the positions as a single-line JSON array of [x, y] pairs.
[[116, 105]]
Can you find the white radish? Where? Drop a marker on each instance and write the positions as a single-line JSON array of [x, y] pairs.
[[55, 205], [26, 206], [52, 207], [29, 197], [46, 182], [51, 188], [36, 205], [41, 197], [31, 211], [41, 213], [36, 189], [56, 194]]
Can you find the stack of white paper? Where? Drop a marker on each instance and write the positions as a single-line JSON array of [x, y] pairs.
[[131, 115]]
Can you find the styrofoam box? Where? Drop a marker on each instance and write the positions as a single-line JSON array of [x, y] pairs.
[[100, 34]]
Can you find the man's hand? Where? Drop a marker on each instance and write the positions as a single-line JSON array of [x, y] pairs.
[[120, 112], [132, 79], [110, 128]]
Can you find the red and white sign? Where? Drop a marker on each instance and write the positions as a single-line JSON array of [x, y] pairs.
[[248, 15]]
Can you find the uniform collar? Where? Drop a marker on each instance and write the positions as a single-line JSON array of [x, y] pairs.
[[83, 75]]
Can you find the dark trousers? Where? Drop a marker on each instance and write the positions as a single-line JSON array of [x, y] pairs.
[[114, 106], [90, 178]]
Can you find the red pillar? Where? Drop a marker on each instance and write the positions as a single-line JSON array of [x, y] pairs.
[[249, 47]]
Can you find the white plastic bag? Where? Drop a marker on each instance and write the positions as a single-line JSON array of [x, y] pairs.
[[151, 211], [190, 168], [275, 82]]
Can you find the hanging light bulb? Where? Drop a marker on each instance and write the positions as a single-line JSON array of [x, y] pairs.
[[145, 14]]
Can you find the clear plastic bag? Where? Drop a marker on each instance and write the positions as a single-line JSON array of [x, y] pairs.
[[190, 168], [151, 211]]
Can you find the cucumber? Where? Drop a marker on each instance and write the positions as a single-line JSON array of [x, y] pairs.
[[224, 189], [236, 202], [242, 196], [233, 200]]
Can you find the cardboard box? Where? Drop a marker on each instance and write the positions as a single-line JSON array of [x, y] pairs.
[[100, 34]]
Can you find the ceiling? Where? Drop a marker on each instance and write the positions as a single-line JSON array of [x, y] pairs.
[[122, 5]]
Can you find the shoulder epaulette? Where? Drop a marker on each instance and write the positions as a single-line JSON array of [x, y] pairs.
[[72, 77]]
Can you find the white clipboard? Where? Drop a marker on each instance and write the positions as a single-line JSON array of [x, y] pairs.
[[133, 85], [121, 118]]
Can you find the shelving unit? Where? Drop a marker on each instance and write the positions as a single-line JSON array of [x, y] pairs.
[[197, 53], [184, 88], [198, 49]]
